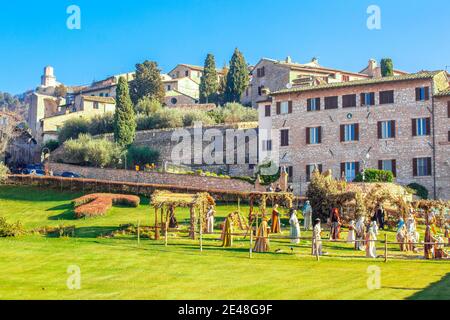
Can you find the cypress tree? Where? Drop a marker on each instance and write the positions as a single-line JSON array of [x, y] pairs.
[[147, 82], [208, 82], [387, 67], [222, 86], [237, 78], [124, 117]]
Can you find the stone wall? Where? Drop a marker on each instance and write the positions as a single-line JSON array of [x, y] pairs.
[[442, 124], [164, 140], [156, 178], [332, 152]]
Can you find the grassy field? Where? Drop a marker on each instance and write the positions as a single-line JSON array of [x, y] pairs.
[[35, 266]]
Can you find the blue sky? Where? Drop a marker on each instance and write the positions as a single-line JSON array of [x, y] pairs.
[[115, 35]]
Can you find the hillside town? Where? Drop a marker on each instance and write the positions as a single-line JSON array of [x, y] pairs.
[[306, 117], [159, 150]]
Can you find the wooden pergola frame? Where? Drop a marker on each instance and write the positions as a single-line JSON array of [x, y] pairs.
[[165, 202]]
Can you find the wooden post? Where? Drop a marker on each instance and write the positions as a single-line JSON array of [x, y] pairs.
[[156, 225], [385, 248], [192, 223], [239, 204], [162, 217], [166, 228], [251, 242], [139, 232], [201, 232]]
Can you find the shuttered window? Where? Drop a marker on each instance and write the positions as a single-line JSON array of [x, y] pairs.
[[349, 101], [423, 94], [284, 134], [267, 111], [314, 135], [349, 170], [349, 132], [422, 167], [368, 99], [313, 104], [260, 72], [387, 97], [421, 127], [331, 102], [386, 129], [284, 107]]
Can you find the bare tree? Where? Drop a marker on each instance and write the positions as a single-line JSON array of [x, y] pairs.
[[8, 124]]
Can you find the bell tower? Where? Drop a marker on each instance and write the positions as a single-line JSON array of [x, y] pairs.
[[48, 79]]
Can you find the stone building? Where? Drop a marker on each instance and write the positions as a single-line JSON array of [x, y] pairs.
[[83, 107], [398, 123], [273, 75], [41, 106], [181, 91], [190, 71], [442, 140]]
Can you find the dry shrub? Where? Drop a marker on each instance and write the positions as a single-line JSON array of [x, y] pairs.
[[97, 204], [57, 231]]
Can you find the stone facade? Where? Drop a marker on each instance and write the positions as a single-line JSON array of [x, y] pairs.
[[271, 75], [442, 124], [331, 153], [156, 178], [185, 70], [84, 107], [41, 106], [183, 86]]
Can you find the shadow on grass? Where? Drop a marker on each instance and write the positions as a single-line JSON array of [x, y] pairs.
[[67, 206], [439, 290], [94, 232], [66, 215], [29, 193]]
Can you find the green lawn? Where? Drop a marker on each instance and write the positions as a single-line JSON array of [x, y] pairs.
[[35, 266]]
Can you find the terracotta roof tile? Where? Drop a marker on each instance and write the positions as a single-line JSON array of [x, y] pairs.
[[414, 76], [109, 100]]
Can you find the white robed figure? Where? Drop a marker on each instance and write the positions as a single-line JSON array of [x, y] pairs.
[[371, 237], [351, 237], [210, 220], [412, 235], [295, 227], [317, 239], [307, 215], [360, 234]]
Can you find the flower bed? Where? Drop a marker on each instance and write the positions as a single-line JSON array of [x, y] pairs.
[[97, 204]]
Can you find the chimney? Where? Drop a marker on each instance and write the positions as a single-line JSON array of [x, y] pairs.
[[315, 60], [288, 59], [372, 68]]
